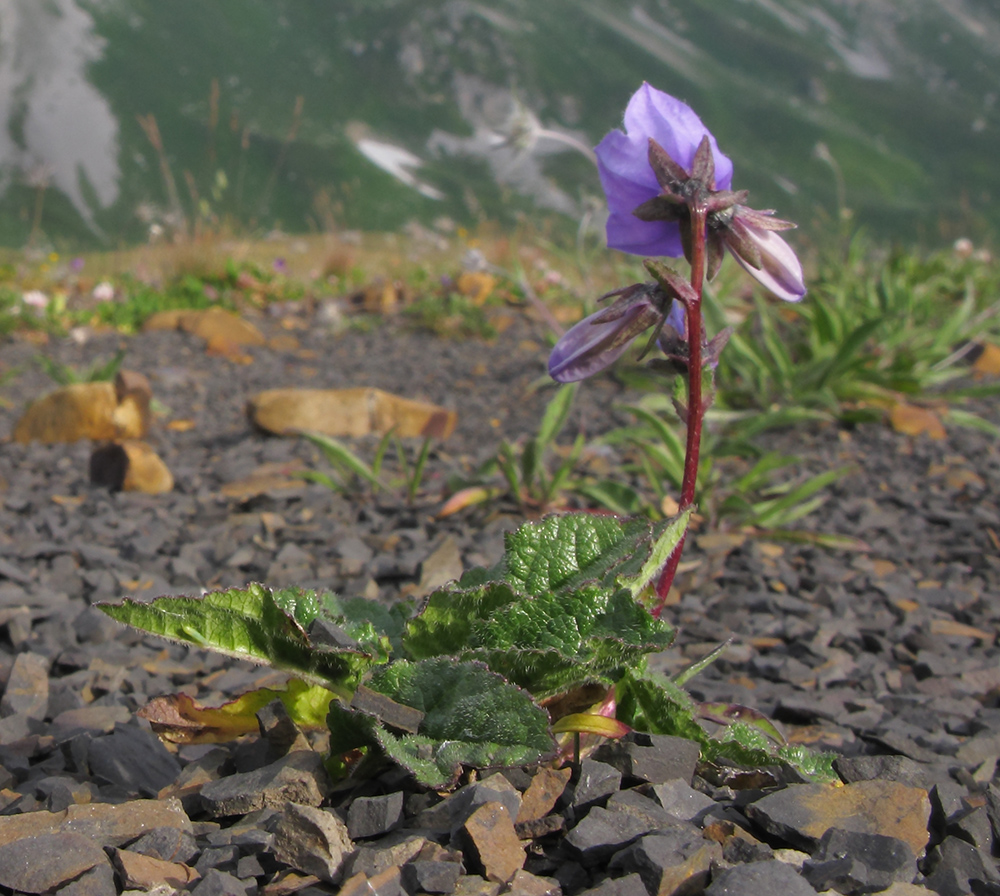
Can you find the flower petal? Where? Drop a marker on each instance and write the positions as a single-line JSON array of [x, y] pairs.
[[629, 181], [781, 271], [587, 347]]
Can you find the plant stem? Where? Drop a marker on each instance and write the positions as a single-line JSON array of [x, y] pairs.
[[695, 403]]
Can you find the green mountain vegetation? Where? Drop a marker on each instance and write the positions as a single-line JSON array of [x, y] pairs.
[[126, 117]]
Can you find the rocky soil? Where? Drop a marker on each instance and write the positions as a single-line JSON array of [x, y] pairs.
[[889, 657]]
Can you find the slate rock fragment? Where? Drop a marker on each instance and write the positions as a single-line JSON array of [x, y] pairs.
[[98, 881], [760, 879], [801, 813], [370, 816], [42, 863], [629, 885], [311, 840], [27, 690], [168, 844], [602, 833], [298, 777], [953, 865], [221, 883], [133, 758], [675, 859], [855, 863], [652, 758], [682, 801], [597, 781]]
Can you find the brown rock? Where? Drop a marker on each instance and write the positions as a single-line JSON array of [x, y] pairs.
[[104, 823], [493, 845], [140, 872], [130, 466], [802, 813], [215, 325], [543, 793], [100, 411], [347, 412]]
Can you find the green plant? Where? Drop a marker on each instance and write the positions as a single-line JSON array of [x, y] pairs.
[[348, 471], [64, 374], [874, 328], [523, 467], [451, 315], [464, 680]]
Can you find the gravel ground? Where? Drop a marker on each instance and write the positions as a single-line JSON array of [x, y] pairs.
[[887, 657]]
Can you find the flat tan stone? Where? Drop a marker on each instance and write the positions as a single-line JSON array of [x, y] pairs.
[[106, 823], [140, 872], [215, 325], [130, 466], [348, 412], [100, 411]]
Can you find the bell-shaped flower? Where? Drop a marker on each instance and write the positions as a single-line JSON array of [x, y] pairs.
[[600, 339], [629, 180], [750, 237], [665, 161]]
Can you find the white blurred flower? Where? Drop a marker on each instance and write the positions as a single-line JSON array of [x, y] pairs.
[[103, 292], [35, 298]]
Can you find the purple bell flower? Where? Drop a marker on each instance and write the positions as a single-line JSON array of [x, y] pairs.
[[600, 339], [667, 157], [629, 180]]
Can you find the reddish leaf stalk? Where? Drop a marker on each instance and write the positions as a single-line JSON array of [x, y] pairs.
[[695, 403]]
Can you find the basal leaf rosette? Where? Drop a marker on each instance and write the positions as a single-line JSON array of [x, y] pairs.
[[470, 717], [317, 637]]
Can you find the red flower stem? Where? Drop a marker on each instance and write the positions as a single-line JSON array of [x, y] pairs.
[[695, 403]]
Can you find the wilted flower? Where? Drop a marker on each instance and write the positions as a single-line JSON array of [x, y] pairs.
[[667, 160], [598, 340]]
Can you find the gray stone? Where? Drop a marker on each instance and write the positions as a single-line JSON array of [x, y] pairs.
[[371, 816], [674, 859], [682, 801], [885, 767], [27, 691], [222, 857], [953, 863], [760, 879], [597, 781], [641, 807], [629, 885], [311, 840], [133, 758], [219, 883], [603, 833], [432, 876], [652, 758], [973, 826], [45, 862], [397, 848], [168, 844], [98, 881], [494, 789], [856, 863], [298, 777]]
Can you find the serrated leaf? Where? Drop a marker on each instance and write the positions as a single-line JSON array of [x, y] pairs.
[[472, 717], [663, 547], [562, 552], [256, 624], [547, 643]]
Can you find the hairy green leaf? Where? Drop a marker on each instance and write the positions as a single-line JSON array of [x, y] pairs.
[[265, 626], [547, 643], [472, 717]]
